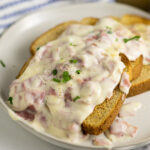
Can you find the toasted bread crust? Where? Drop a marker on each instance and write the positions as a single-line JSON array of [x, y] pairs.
[[129, 19], [136, 67], [95, 123], [104, 114], [142, 83], [101, 119], [133, 68]]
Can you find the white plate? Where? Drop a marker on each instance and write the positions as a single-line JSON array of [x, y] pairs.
[[14, 51]]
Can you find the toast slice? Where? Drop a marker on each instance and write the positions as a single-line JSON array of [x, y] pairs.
[[104, 114], [142, 83]]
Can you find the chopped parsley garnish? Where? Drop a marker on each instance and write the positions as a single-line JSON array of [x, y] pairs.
[[56, 80], [76, 98], [78, 71], [54, 72], [107, 27], [10, 99], [73, 61], [133, 38], [71, 44], [66, 77], [116, 39], [2, 63], [109, 32], [37, 48]]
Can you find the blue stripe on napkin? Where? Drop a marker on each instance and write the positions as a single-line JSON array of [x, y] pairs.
[[12, 3], [20, 12]]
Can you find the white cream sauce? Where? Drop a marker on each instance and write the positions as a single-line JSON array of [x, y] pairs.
[[144, 31], [125, 83], [129, 109], [59, 108], [121, 130]]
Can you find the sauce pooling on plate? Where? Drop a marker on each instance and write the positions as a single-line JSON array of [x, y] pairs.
[[69, 76]]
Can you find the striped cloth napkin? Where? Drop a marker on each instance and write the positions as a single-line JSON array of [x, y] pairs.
[[12, 10]]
